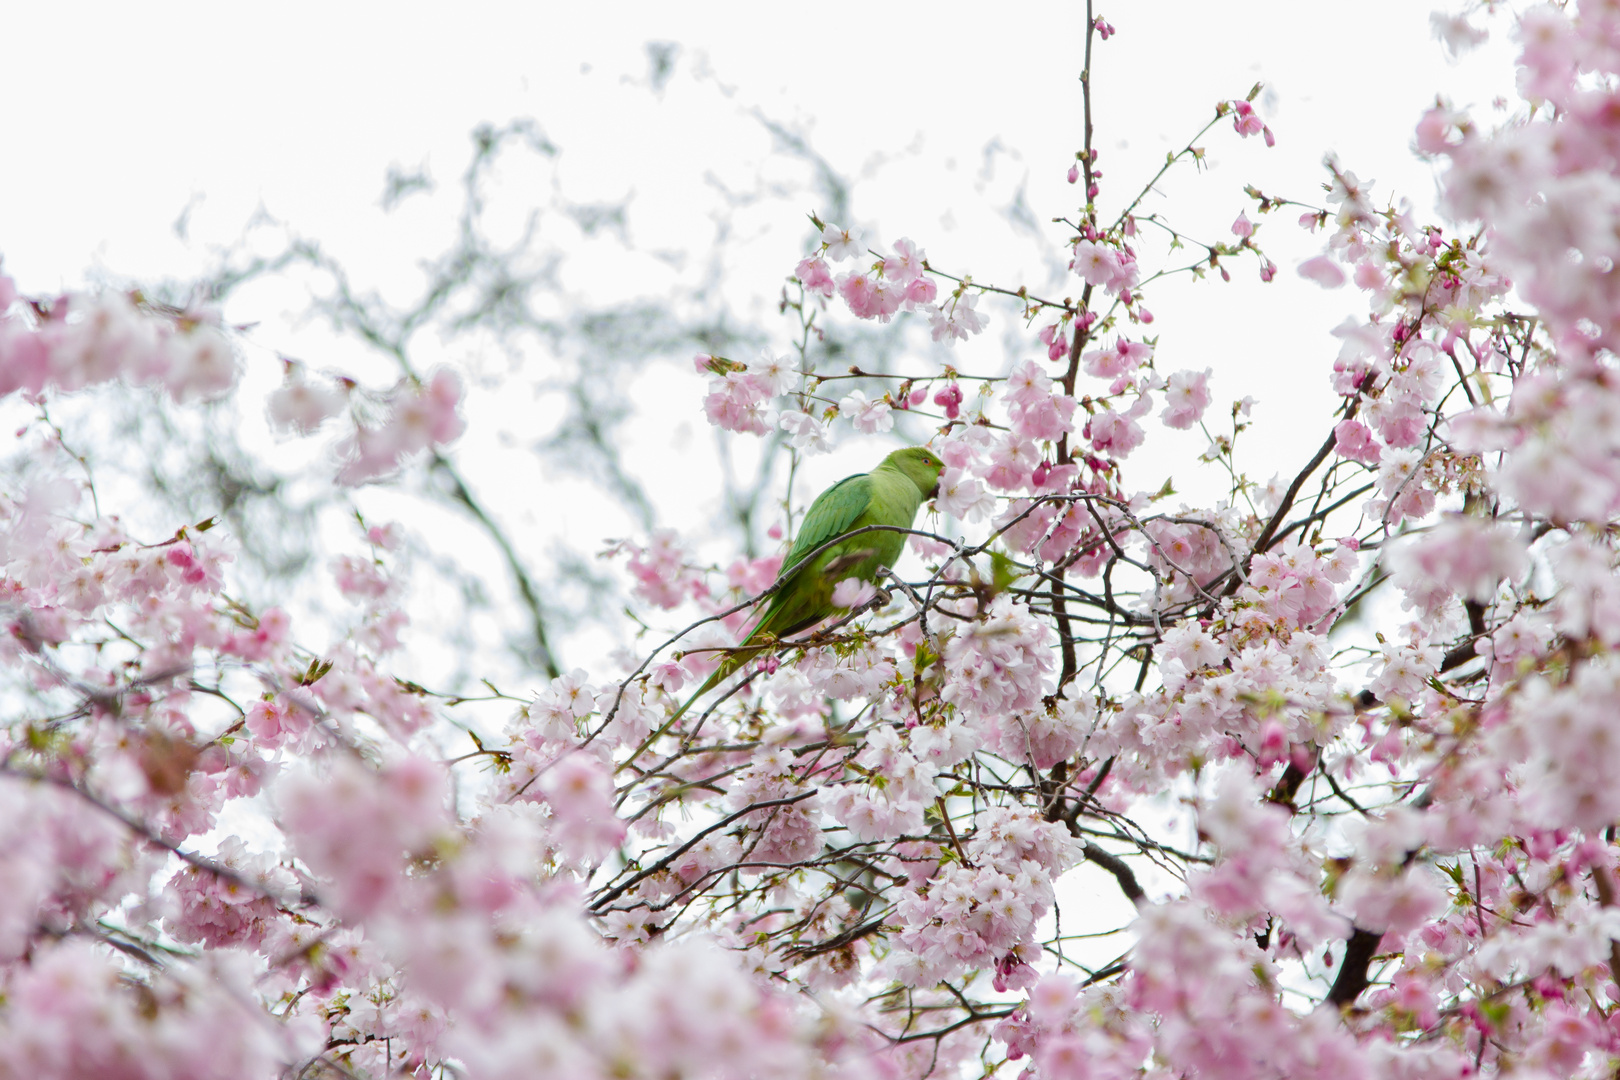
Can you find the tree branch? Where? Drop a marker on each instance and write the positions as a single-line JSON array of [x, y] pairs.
[[1358, 955]]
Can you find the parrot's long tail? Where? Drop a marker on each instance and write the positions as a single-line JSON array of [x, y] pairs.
[[735, 658], [708, 684]]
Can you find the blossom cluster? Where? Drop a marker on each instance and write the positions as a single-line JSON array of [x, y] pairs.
[[81, 340]]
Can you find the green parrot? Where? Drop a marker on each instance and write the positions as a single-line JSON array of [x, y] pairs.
[[888, 495]]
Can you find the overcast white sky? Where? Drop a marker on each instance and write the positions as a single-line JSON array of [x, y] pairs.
[[131, 115]]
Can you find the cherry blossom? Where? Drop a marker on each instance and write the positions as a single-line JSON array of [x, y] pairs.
[[840, 243], [806, 432], [867, 416], [301, 405], [1186, 398]]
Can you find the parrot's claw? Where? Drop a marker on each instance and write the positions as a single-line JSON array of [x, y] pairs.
[[882, 599]]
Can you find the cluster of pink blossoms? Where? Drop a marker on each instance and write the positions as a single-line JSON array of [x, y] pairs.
[[892, 284], [389, 933], [981, 911], [80, 340], [76, 341], [417, 416]]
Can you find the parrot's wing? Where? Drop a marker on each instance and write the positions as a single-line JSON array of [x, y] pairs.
[[834, 513]]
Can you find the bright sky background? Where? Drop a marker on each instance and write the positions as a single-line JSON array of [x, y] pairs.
[[303, 106], [215, 110], [123, 119]]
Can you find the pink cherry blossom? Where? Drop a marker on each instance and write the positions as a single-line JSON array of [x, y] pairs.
[[302, 406], [852, 593], [1095, 263], [964, 496], [867, 416], [841, 243], [955, 319], [1114, 433], [1125, 357], [1245, 120], [736, 402], [816, 276], [1322, 270], [1186, 398], [806, 432], [1353, 440], [906, 264]]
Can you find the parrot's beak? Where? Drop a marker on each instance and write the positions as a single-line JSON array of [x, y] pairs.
[[933, 491]]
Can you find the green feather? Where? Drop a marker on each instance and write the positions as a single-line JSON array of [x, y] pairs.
[[888, 495]]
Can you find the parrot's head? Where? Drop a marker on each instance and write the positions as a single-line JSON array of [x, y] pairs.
[[920, 465]]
